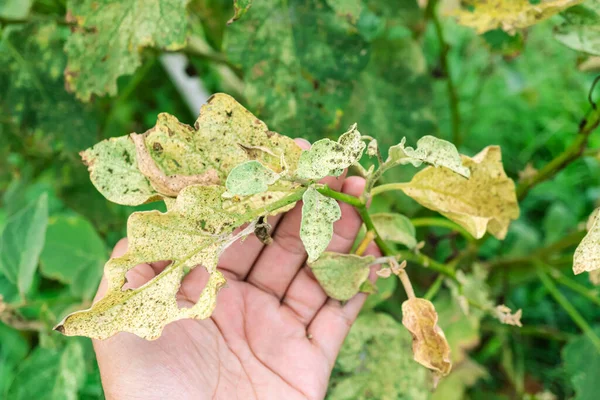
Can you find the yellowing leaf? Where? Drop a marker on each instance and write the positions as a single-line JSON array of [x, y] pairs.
[[510, 15], [139, 168], [395, 228], [193, 232], [587, 254], [318, 215], [431, 150], [250, 178], [430, 347], [485, 202], [341, 275], [327, 157]]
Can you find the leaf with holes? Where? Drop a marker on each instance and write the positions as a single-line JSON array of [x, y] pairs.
[[430, 150], [430, 347], [341, 275], [327, 157], [318, 215], [485, 202]]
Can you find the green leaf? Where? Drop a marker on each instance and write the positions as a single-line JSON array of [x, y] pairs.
[[109, 36], [74, 254], [15, 9], [13, 349], [350, 9], [21, 243], [326, 157], [34, 101], [587, 254], [431, 150], [385, 290], [376, 362], [250, 178], [141, 168], [50, 374], [395, 228], [318, 215], [581, 31], [582, 361], [342, 275], [455, 385], [240, 7]]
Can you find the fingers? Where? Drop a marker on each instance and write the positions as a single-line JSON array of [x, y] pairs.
[[333, 321], [280, 261], [305, 297]]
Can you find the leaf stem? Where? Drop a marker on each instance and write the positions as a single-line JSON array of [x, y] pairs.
[[388, 187], [580, 289], [428, 262], [567, 306], [369, 236], [442, 223], [346, 198]]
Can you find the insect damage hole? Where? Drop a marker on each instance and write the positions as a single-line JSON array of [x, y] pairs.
[[192, 285]]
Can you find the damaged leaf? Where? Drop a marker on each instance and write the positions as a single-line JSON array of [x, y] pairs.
[[430, 150], [326, 157], [430, 347], [240, 7], [250, 178], [587, 254], [342, 275], [140, 168], [485, 202], [395, 228], [195, 231], [318, 215], [510, 15], [108, 38]]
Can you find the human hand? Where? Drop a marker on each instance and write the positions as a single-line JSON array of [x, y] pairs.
[[274, 333]]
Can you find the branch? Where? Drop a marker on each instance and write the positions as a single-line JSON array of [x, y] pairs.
[[443, 223]]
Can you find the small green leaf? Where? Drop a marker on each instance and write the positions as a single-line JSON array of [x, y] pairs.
[[395, 228], [50, 374], [250, 178], [342, 275], [430, 150], [318, 215], [581, 31], [240, 7], [15, 9], [21, 243], [587, 254], [74, 254], [582, 362], [327, 157]]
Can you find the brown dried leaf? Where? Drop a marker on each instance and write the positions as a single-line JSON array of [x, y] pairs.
[[430, 347]]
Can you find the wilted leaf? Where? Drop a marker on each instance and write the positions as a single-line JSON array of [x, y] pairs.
[[50, 374], [581, 29], [73, 254], [395, 228], [510, 15], [587, 254], [193, 232], [33, 99], [318, 215], [326, 157], [375, 362], [430, 150], [176, 155], [485, 201], [582, 361], [430, 347], [109, 36], [240, 7], [15, 9], [341, 275], [21, 243], [250, 178]]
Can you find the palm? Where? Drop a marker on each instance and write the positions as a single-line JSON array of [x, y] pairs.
[[274, 333]]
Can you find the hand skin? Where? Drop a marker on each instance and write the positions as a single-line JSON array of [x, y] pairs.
[[274, 334]]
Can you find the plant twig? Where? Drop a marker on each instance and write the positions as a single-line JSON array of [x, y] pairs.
[[442, 223], [567, 306], [580, 289]]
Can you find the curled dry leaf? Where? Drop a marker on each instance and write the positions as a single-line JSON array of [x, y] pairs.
[[587, 254], [485, 202], [176, 155], [193, 232], [342, 275], [318, 215], [326, 157], [430, 347], [505, 315], [430, 150], [509, 15]]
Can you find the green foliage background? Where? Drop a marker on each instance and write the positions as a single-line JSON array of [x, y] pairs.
[[308, 69]]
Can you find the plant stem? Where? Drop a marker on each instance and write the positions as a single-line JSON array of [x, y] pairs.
[[346, 198], [434, 288], [567, 306], [575, 286], [570, 154], [362, 247], [405, 280], [442, 223], [388, 187], [427, 263]]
